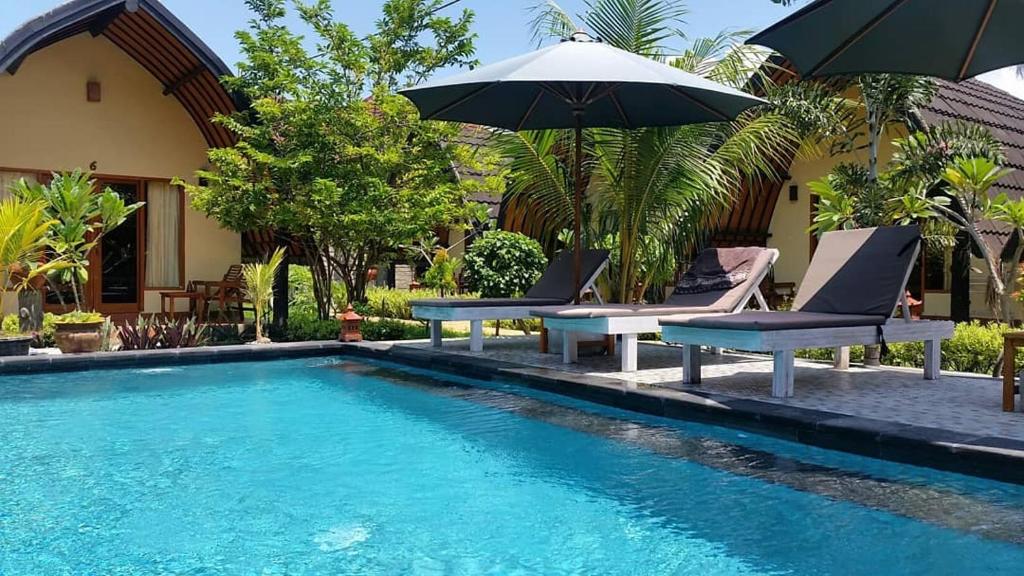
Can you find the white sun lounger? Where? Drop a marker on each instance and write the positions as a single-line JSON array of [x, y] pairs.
[[852, 288], [629, 321], [555, 288]]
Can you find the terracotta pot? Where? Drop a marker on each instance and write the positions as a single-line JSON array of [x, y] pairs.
[[14, 345], [75, 338]]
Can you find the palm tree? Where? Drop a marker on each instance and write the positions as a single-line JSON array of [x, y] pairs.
[[24, 239], [259, 288], [889, 99], [652, 192]]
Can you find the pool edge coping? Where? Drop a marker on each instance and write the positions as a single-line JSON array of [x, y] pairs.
[[40, 364], [993, 457]]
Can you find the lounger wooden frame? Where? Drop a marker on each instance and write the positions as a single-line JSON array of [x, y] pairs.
[[784, 343], [476, 315], [630, 327]]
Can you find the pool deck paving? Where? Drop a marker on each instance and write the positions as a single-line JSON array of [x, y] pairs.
[[954, 423]]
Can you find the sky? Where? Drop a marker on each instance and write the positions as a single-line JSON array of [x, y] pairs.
[[502, 25]]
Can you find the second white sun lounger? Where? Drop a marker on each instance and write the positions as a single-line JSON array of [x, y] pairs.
[[629, 321]]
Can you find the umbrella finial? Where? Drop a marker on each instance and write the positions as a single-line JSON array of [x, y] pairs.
[[581, 36]]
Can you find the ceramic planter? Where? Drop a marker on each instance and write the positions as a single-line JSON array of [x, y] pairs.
[[79, 337], [14, 345]]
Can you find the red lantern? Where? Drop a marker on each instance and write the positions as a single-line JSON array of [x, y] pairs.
[[351, 326]]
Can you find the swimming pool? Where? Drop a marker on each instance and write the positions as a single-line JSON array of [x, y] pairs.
[[336, 467]]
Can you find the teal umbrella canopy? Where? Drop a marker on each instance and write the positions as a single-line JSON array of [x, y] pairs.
[[602, 85], [951, 39], [579, 83]]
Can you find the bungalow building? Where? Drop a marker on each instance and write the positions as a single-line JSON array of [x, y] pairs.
[[121, 88], [950, 282]]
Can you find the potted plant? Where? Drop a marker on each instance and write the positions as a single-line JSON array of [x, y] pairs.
[[80, 218], [24, 229], [77, 332]]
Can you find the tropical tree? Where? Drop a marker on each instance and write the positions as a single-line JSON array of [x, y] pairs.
[[80, 218], [259, 288], [652, 191], [966, 204], [918, 187], [327, 153]]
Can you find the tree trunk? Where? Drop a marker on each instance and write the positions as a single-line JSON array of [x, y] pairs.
[[1011, 270], [281, 296], [995, 279], [874, 135], [872, 354], [322, 278], [960, 288]]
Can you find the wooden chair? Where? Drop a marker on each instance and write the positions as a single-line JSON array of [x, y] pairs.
[[228, 292]]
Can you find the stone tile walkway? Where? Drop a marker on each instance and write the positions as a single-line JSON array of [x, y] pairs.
[[959, 402]]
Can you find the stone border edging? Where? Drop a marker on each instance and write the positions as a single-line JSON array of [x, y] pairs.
[[991, 457], [177, 357]]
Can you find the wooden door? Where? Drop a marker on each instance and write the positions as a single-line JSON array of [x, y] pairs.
[[116, 266]]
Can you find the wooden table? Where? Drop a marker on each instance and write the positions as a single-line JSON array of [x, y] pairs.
[[195, 301], [1011, 341]]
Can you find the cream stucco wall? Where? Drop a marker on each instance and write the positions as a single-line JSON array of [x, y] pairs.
[[134, 132], [791, 220]]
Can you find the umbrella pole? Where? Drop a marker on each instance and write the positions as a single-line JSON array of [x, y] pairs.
[[577, 179]]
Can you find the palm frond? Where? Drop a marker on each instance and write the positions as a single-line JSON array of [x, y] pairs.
[[550, 21], [640, 26]]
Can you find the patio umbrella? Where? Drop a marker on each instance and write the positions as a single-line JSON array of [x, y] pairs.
[[579, 83], [951, 39]]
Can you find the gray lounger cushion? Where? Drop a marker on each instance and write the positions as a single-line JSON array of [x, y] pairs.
[[859, 271], [556, 283], [554, 287], [768, 321], [486, 302], [624, 311], [716, 302]]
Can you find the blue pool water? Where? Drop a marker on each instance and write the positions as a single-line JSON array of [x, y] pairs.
[[329, 467]]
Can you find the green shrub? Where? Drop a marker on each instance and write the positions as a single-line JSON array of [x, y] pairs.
[[10, 325], [441, 275], [532, 324], [504, 264], [389, 329], [387, 303], [304, 326], [300, 292]]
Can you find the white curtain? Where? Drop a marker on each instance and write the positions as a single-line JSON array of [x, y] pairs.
[[163, 235], [7, 179]]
